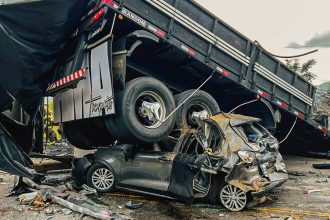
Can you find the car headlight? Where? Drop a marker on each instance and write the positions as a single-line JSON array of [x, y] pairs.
[[247, 156]]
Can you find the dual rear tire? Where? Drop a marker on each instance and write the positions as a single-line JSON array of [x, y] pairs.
[[143, 111]]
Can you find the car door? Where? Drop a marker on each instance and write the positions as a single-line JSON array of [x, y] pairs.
[[146, 169]]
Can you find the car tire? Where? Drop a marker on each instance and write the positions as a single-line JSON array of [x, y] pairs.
[[87, 134], [233, 198], [200, 101], [217, 182], [129, 125], [101, 178]]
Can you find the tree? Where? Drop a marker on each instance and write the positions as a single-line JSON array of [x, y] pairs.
[[302, 69]]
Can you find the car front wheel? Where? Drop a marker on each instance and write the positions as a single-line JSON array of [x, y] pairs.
[[101, 178], [233, 198]]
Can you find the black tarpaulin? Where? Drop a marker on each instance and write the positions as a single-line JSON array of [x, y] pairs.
[[32, 34], [13, 158]]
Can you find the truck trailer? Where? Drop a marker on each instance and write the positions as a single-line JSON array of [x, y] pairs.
[[131, 43]]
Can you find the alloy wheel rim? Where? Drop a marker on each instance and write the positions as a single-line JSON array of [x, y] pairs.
[[103, 179], [233, 198]]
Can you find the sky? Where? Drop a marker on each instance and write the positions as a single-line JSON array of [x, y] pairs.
[[283, 27]]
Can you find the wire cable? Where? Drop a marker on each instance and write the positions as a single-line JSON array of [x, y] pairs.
[[285, 57], [179, 106], [289, 131], [245, 103]]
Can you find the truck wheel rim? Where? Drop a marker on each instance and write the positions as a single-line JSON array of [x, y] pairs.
[[103, 179], [150, 97], [233, 198], [196, 108]]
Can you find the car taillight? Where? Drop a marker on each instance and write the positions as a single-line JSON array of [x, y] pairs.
[[96, 17], [110, 2]]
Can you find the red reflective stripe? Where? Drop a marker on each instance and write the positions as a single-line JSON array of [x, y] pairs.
[[300, 115], [160, 33], [322, 129], [265, 95], [110, 2], [67, 79], [283, 105], [191, 52], [97, 16], [225, 72]]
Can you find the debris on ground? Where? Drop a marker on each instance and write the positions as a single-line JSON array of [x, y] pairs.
[[312, 191], [133, 205], [296, 173], [73, 200], [321, 165]]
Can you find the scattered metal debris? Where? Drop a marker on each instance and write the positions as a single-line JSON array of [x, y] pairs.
[[133, 205], [321, 165], [312, 191]]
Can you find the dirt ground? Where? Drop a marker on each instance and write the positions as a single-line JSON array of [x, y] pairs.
[[290, 200]]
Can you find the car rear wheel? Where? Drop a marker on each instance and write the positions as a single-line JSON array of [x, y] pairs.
[[233, 198], [200, 101], [141, 110], [101, 178], [87, 134]]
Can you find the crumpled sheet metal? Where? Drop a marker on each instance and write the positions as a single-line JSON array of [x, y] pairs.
[[235, 139], [232, 143]]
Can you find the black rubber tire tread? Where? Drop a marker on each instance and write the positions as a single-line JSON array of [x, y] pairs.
[[126, 127], [199, 98], [88, 133], [217, 182], [90, 172]]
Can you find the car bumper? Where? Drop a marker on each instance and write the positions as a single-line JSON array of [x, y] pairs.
[[268, 188]]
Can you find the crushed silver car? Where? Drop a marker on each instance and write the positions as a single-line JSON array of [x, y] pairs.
[[230, 159]]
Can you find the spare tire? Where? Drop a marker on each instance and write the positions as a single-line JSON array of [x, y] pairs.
[[132, 122], [87, 134], [200, 101]]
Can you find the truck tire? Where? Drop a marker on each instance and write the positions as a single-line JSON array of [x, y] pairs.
[[131, 124], [87, 134], [200, 101]]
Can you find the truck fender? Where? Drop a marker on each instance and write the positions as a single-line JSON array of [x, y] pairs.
[[263, 110], [271, 114], [130, 42], [124, 48]]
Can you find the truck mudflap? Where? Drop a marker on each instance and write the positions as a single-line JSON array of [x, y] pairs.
[[13, 156]]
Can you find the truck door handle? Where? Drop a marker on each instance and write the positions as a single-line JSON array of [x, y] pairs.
[[163, 158]]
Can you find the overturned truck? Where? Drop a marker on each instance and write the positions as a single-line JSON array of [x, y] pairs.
[[138, 72]]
